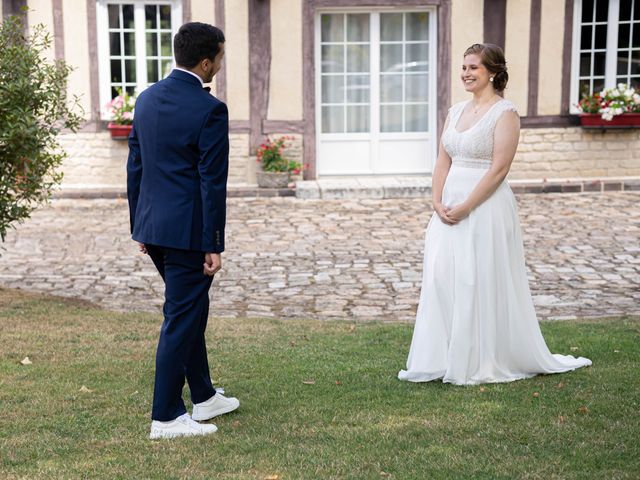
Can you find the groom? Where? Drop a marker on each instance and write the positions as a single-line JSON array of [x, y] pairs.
[[177, 187]]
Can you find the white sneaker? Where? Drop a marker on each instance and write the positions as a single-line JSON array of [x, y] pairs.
[[216, 405], [183, 426]]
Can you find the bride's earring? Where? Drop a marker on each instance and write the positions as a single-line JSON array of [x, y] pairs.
[[491, 79]]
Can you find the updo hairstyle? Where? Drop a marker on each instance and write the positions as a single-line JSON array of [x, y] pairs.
[[492, 57]]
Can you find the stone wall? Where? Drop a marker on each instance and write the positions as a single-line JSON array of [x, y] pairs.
[[576, 153], [97, 161], [239, 168]]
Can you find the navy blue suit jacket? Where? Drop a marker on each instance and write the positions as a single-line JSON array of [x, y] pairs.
[[178, 165]]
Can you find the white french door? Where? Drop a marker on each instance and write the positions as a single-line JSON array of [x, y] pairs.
[[375, 92]]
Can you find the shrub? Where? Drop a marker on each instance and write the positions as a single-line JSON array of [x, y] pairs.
[[34, 109]]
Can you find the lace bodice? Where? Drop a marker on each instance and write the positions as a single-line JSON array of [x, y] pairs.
[[474, 146]]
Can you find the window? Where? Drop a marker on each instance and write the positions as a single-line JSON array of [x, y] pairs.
[[404, 82], [375, 90], [399, 63], [607, 33], [135, 44]]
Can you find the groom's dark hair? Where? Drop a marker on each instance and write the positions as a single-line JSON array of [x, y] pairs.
[[196, 41]]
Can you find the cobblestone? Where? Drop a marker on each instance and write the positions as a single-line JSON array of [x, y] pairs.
[[349, 259]]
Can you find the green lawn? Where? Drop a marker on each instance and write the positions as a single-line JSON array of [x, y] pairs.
[[319, 400]]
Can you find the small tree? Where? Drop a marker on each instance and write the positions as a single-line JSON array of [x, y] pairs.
[[34, 109]]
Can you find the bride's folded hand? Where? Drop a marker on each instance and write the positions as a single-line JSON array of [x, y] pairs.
[[443, 213], [458, 213]]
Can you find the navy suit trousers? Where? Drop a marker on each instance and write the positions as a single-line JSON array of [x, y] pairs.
[[182, 352]]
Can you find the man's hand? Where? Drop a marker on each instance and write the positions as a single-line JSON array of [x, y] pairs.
[[212, 263], [142, 247]]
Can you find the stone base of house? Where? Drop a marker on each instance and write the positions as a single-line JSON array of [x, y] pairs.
[[97, 162]]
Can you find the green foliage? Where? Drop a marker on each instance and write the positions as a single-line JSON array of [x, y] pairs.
[[270, 156], [34, 109]]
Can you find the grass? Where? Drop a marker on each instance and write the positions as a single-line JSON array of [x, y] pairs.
[[351, 419]]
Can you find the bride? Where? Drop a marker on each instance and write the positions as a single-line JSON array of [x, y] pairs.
[[476, 321]]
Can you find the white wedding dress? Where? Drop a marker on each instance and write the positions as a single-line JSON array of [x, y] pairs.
[[476, 321]]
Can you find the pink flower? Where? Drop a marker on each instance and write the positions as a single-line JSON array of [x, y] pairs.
[[127, 116]]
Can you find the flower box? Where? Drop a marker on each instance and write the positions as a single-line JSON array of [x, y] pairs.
[[119, 132], [272, 179], [595, 120]]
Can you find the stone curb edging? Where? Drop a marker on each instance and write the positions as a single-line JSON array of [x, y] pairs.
[[577, 186], [97, 193], [421, 187]]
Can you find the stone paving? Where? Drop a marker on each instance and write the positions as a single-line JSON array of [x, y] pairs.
[[349, 259]]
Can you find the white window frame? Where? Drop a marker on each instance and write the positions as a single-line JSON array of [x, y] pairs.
[[374, 70], [104, 64], [610, 72]]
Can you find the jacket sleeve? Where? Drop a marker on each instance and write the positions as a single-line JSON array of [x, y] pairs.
[[213, 167], [134, 174]]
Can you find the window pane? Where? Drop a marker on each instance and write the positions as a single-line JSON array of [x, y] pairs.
[[166, 66], [152, 71], [127, 16], [130, 70], [332, 28], [417, 88], [165, 16], [333, 89], [624, 32], [357, 58], [391, 58], [391, 27], [599, 60], [623, 62], [601, 37], [625, 9], [584, 88], [332, 119], [585, 38], [150, 17], [165, 44], [585, 64], [598, 84], [390, 88], [636, 12], [129, 44], [332, 58], [635, 62], [358, 89], [114, 44], [358, 27], [358, 119], [587, 11], [636, 34], [130, 89], [152, 44], [602, 10], [416, 55], [417, 26], [391, 118], [635, 82], [116, 71], [416, 118], [114, 16]]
